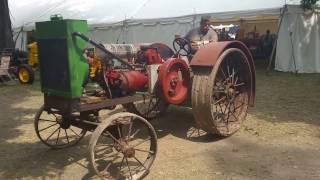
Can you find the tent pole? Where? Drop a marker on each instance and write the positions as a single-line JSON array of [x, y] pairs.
[[276, 41], [292, 55]]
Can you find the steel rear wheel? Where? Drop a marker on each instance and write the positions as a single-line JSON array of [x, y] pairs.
[[55, 131], [124, 146], [220, 96]]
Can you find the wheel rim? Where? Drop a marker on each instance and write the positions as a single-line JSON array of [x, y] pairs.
[[125, 150], [230, 92], [56, 132], [24, 75]]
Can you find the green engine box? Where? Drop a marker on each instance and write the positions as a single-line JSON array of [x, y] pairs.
[[63, 69]]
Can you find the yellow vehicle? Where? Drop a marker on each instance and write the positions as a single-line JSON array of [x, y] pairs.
[[33, 55], [26, 70], [94, 62]]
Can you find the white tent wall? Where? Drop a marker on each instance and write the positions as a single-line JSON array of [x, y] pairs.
[[155, 30], [300, 52], [20, 38], [147, 32], [163, 29]]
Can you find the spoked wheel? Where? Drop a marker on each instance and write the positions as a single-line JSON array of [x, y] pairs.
[[220, 97], [54, 131], [150, 108], [124, 146]]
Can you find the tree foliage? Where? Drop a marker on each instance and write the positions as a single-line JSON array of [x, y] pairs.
[[308, 4]]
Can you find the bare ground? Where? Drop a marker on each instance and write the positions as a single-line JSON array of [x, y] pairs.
[[279, 140]]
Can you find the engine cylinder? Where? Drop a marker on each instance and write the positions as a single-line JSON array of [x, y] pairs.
[[133, 80]]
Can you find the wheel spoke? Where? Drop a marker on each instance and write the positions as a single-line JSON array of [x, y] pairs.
[[99, 149], [150, 102], [240, 84], [121, 163], [52, 133], [47, 120], [48, 127], [237, 119], [223, 98], [139, 143], [130, 128], [235, 82], [128, 167], [67, 135], [119, 131], [109, 164], [74, 132], [54, 115], [194, 130], [139, 162], [228, 117], [135, 133], [112, 137], [58, 136], [104, 145], [232, 76], [224, 74], [151, 152]]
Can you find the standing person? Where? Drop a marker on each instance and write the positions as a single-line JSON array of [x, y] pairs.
[[223, 35], [267, 43], [202, 35]]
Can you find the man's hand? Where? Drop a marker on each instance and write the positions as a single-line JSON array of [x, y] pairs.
[[195, 45]]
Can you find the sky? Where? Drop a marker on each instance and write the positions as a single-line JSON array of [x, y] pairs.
[[25, 12]]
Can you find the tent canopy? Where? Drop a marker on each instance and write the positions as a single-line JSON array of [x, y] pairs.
[[101, 11]]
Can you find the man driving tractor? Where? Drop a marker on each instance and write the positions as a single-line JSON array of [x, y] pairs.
[[201, 35]]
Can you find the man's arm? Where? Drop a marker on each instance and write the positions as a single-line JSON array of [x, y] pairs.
[[213, 36]]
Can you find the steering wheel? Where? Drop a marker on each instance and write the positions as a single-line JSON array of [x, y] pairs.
[[182, 46]]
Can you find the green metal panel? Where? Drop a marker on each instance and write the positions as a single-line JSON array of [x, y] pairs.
[[63, 69]]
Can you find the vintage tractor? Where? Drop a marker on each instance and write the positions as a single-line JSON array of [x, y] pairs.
[[218, 83], [19, 65]]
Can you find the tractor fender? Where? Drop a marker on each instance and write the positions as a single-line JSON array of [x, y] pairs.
[[208, 55]]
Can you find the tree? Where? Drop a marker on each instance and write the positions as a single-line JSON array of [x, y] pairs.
[[6, 39], [308, 4]]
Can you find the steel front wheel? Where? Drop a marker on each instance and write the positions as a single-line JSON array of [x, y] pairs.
[[124, 146], [55, 131], [220, 96]]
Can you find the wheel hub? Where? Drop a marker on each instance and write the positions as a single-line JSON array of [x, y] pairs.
[[129, 152], [125, 148], [64, 124], [23, 75]]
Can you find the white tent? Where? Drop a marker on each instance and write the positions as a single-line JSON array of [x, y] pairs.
[[151, 30], [298, 47], [160, 30], [107, 11], [118, 21]]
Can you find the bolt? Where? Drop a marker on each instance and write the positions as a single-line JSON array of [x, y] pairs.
[[171, 92]]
